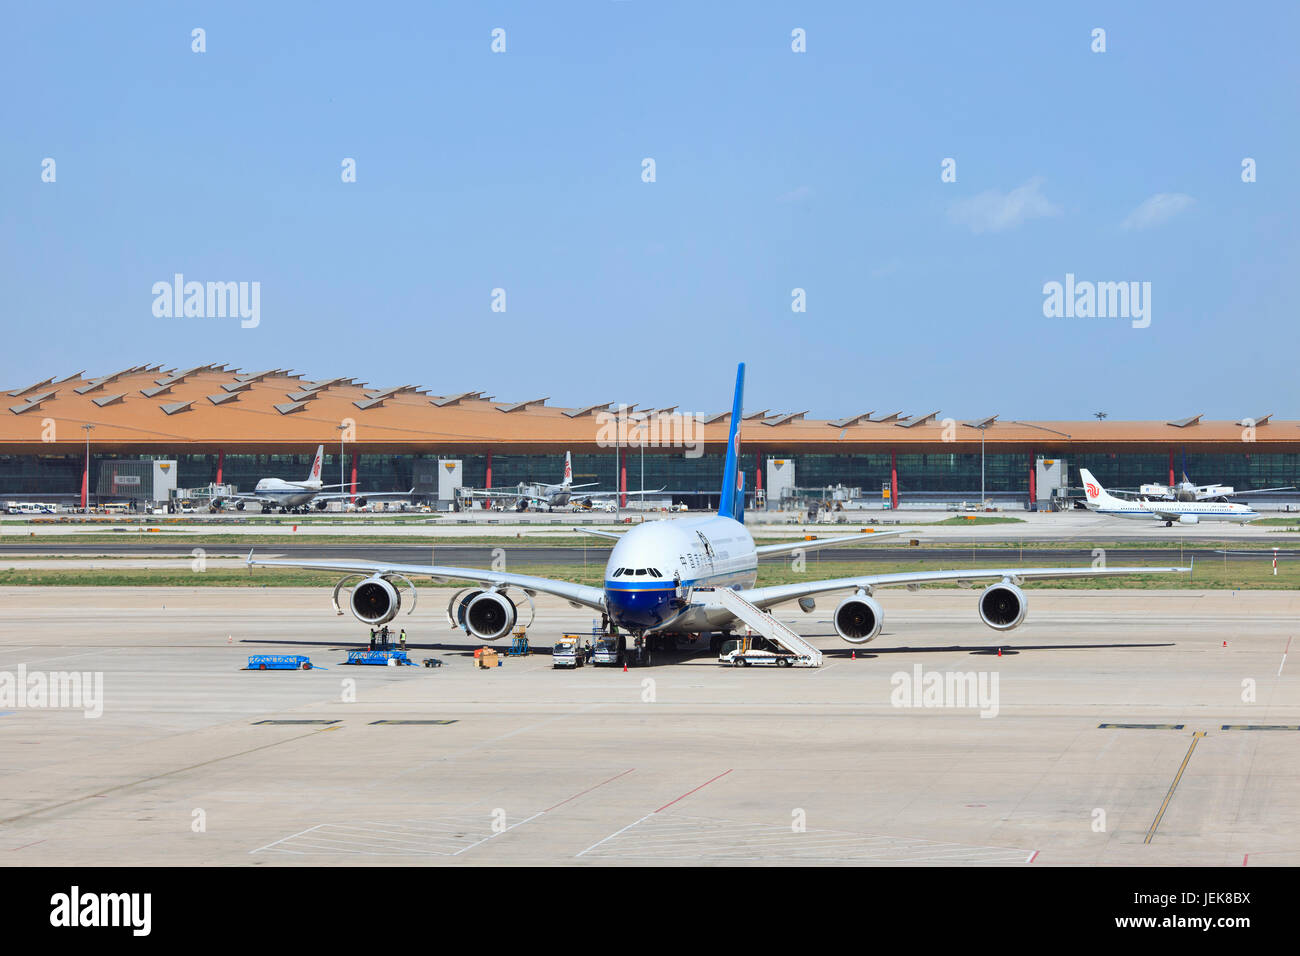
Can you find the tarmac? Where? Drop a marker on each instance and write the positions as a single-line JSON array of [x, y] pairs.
[[679, 762], [1077, 525]]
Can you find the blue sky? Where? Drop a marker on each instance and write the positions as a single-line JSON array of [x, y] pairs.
[[774, 171]]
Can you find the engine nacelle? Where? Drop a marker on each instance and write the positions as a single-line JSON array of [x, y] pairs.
[[360, 501], [1189, 519], [375, 601], [1002, 606], [858, 619], [489, 616]]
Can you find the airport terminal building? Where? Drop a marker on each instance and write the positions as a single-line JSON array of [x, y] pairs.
[[228, 426]]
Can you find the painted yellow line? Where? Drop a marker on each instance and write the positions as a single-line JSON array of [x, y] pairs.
[[1196, 738]]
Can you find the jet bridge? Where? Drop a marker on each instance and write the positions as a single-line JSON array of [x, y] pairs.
[[763, 623]]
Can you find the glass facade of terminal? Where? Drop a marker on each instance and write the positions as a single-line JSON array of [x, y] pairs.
[[691, 480]]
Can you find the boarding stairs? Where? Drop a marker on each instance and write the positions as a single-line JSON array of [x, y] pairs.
[[763, 623]]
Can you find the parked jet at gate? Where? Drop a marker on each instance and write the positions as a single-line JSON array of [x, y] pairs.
[[1186, 491], [1161, 509], [658, 572], [547, 496], [297, 495]]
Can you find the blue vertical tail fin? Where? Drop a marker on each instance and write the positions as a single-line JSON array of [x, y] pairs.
[[731, 503]]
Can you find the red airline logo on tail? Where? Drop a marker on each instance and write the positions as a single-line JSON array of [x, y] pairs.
[[1092, 490]]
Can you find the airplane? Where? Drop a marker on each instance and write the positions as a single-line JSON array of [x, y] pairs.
[[297, 495], [657, 573], [1184, 512], [1186, 491], [548, 496]]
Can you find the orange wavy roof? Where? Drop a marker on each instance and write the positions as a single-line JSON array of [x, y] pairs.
[[158, 409]]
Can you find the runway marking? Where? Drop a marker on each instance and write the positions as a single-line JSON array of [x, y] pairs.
[[1032, 857], [440, 836], [674, 838], [689, 792], [157, 776], [1285, 650], [431, 722], [499, 832], [653, 812], [277, 722], [1139, 726], [1245, 859], [589, 789], [1260, 727], [1196, 738]]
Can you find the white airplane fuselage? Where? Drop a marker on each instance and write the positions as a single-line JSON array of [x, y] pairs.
[[651, 562], [287, 494], [1184, 511]]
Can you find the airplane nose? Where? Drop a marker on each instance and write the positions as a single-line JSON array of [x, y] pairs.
[[639, 607]]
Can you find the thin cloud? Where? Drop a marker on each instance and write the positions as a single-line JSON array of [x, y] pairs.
[[796, 194], [994, 211], [1157, 210]]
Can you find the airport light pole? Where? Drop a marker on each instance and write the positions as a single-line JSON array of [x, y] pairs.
[[981, 426], [644, 425], [85, 501]]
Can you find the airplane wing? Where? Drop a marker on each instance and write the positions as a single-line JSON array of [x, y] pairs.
[[226, 498], [600, 534], [789, 547], [1163, 515], [1252, 491], [610, 494], [779, 594], [579, 595], [367, 495], [488, 493]]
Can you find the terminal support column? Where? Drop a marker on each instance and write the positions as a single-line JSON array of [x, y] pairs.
[[1171, 467], [355, 456], [893, 479], [221, 463], [622, 477], [1033, 482]]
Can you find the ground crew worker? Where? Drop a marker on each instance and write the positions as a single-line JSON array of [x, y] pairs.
[[372, 638], [401, 639]]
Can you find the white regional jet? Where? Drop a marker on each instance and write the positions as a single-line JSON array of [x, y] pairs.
[[655, 569], [297, 495], [1161, 509]]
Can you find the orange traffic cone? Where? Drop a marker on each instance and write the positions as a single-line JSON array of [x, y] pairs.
[[854, 657], [999, 652], [625, 667]]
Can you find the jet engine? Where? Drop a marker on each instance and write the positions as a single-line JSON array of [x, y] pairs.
[[375, 601], [1189, 519], [858, 619], [1002, 606], [489, 615]]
